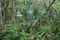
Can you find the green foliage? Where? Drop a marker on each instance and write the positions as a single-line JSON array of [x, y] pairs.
[[56, 6], [13, 32], [36, 23]]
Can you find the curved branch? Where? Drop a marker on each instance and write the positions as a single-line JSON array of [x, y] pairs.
[[51, 5]]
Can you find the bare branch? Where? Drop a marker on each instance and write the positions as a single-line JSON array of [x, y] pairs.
[[51, 5]]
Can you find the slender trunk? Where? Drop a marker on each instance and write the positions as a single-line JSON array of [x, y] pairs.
[[1, 23], [48, 9], [51, 5]]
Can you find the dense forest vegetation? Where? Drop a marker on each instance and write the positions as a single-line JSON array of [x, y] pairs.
[[29, 19]]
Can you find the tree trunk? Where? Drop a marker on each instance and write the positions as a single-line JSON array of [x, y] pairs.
[[4, 10], [1, 23]]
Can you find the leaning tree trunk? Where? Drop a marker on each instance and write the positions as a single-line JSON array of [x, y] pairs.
[[49, 3]]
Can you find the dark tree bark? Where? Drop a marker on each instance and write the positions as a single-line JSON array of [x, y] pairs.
[[51, 5]]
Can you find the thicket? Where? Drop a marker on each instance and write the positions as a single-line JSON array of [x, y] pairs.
[[29, 20]]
